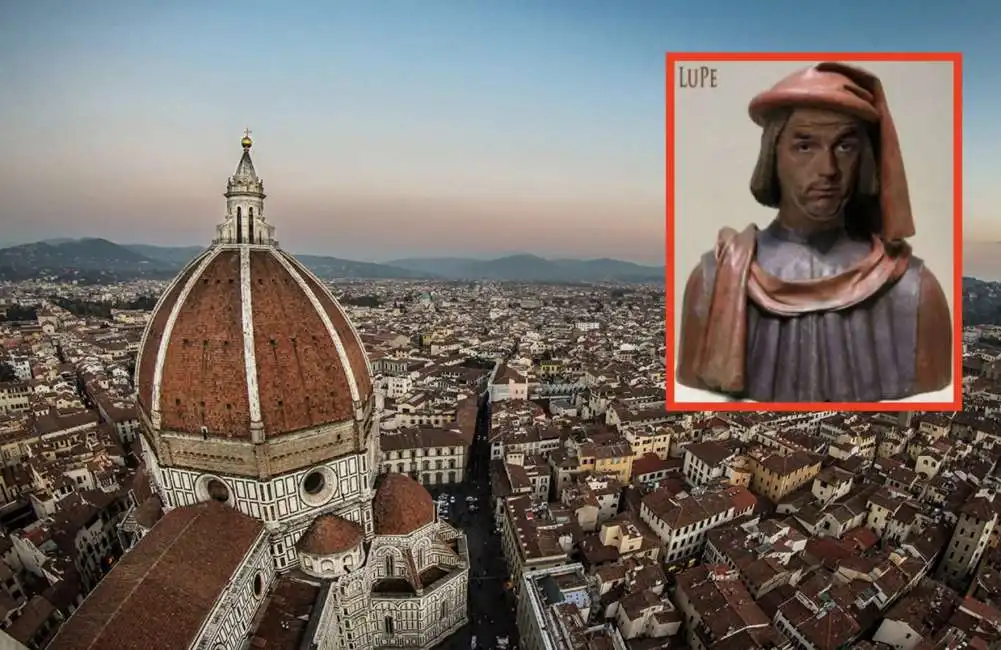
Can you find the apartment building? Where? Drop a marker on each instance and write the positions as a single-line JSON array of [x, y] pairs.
[[775, 475], [977, 520], [682, 522]]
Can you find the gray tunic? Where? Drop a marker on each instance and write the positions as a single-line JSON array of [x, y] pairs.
[[865, 353]]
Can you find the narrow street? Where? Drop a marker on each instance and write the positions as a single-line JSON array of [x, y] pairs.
[[491, 606]]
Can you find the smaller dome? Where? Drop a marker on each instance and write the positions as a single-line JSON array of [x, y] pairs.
[[401, 505], [330, 535]]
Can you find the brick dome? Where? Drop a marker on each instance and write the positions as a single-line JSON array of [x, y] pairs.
[[401, 505], [330, 535], [246, 339]]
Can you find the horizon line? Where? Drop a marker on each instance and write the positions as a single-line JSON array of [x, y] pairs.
[[387, 261]]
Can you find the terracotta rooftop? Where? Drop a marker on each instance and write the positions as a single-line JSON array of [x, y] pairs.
[[401, 505], [305, 351], [649, 463], [330, 535], [159, 593]]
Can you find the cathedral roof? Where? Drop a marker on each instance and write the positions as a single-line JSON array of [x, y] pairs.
[[249, 337], [247, 343], [159, 593], [245, 169], [401, 505], [330, 535]]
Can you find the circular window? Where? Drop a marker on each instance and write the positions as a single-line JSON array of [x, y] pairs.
[[217, 490], [318, 486], [314, 483], [212, 488], [259, 585]]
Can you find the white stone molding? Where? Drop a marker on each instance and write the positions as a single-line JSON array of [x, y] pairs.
[[249, 353], [331, 331], [156, 309], [354, 331], [168, 330]]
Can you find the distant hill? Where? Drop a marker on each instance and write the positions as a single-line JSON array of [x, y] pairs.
[[323, 266], [75, 256], [176, 256], [531, 268], [335, 267], [97, 260], [981, 302], [101, 260]]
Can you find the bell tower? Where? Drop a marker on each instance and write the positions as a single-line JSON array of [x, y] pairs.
[[244, 222]]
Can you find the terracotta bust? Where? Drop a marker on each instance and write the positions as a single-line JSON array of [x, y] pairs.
[[826, 304]]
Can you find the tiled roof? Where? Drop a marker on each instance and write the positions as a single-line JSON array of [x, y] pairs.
[[401, 505], [160, 592], [330, 535], [302, 377]]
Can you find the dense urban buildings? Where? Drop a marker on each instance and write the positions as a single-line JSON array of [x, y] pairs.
[[254, 478], [254, 463]]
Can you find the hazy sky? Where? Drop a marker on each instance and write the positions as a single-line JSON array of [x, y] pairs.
[[404, 128]]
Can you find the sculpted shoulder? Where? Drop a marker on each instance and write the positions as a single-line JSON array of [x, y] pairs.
[[694, 310], [933, 362]]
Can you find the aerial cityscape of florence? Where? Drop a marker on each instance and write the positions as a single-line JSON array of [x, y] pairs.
[[440, 325]]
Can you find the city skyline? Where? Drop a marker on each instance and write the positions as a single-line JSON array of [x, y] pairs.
[[496, 128]]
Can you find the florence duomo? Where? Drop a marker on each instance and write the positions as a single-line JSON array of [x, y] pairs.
[[511, 326], [260, 442]]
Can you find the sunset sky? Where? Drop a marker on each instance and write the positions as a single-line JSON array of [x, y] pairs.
[[406, 128]]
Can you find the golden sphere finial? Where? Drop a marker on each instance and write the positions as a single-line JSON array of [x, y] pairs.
[[246, 142]]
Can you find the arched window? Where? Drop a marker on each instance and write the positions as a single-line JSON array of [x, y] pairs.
[[389, 566], [239, 225], [388, 624], [444, 609], [420, 559], [250, 225]]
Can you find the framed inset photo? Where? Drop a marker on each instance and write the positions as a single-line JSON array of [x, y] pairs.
[[814, 231]]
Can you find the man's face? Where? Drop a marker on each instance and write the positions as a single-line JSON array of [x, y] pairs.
[[818, 156]]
